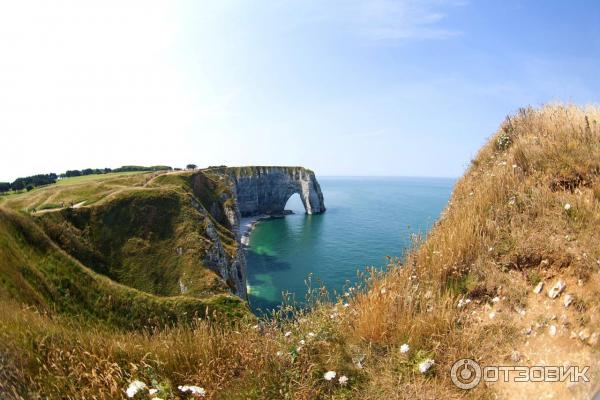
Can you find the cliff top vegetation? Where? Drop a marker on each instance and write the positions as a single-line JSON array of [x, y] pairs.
[[524, 214]]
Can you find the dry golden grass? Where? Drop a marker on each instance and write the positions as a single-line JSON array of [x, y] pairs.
[[505, 228], [505, 224]]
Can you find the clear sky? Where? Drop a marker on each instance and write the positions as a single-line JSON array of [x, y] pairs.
[[371, 87]]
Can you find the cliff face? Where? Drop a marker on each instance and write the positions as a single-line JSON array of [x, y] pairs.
[[137, 260], [247, 191], [266, 190], [219, 199], [169, 234], [231, 268], [231, 193]]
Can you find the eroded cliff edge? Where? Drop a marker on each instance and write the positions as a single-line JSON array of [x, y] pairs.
[[170, 234], [260, 190], [266, 189]]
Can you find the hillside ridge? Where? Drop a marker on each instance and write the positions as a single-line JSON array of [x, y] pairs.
[[480, 285], [165, 233]]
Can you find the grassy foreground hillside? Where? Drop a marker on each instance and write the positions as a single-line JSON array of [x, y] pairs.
[[525, 212], [124, 249], [35, 271]]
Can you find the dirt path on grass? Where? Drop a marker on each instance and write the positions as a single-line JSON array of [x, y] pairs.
[[49, 210]]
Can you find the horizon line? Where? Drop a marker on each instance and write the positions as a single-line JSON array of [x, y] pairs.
[[386, 176]]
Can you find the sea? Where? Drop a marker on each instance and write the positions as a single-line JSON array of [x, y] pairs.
[[367, 220]]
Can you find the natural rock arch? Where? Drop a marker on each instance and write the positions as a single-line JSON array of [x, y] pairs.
[[294, 203], [266, 190]]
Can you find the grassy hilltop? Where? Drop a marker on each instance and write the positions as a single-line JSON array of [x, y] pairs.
[[123, 254], [80, 317]]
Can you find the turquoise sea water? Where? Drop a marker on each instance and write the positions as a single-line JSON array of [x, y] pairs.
[[366, 220]]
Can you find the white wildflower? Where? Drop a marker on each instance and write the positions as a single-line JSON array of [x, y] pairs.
[[346, 305], [311, 334], [404, 348], [135, 387], [496, 299], [195, 390], [343, 380], [287, 334], [383, 290], [463, 302], [279, 353], [329, 375], [567, 207], [302, 342], [425, 365], [153, 391]]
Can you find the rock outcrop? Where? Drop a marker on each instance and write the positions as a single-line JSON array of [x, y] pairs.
[[266, 190], [187, 223], [220, 202], [231, 269], [249, 191]]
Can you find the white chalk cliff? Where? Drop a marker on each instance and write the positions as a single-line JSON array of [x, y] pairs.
[[266, 190], [256, 191]]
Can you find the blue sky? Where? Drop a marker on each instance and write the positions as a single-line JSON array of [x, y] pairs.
[[371, 87]]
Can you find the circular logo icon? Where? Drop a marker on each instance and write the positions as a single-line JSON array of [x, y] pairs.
[[465, 373]]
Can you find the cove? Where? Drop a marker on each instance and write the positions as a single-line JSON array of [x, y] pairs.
[[367, 219]]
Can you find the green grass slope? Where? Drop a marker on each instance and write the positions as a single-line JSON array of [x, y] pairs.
[[89, 188], [135, 256], [35, 271], [151, 240]]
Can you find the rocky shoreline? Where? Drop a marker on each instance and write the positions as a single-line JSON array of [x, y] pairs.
[[247, 224]]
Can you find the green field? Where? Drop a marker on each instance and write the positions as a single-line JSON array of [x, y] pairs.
[[88, 188]]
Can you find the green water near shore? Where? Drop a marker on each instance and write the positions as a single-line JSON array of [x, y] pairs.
[[366, 220]]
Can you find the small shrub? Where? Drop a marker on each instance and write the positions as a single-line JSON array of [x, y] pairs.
[[534, 278], [504, 139]]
